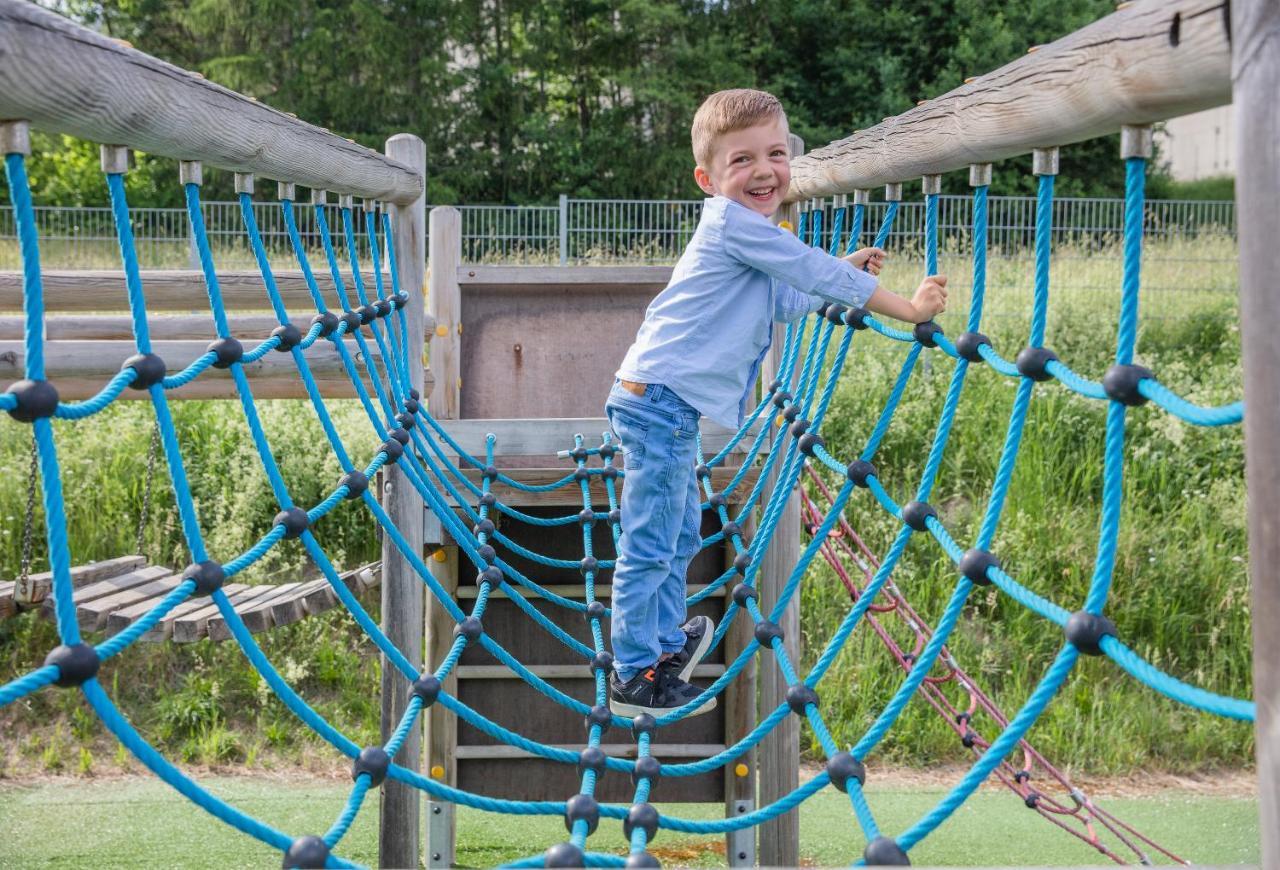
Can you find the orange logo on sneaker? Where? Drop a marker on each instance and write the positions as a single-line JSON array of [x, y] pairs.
[[649, 675]]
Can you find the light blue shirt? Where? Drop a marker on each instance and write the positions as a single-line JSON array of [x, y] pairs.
[[705, 335]]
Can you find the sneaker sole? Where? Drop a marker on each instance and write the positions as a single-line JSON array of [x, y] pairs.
[[696, 658], [622, 708]]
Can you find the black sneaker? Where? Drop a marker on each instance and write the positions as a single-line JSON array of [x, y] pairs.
[[698, 633], [655, 690]]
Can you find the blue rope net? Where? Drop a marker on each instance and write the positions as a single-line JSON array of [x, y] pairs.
[[405, 433]]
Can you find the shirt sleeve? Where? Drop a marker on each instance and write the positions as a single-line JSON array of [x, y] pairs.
[[797, 267], [790, 304]]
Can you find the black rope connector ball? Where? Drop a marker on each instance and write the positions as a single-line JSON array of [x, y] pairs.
[[374, 761], [968, 738], [860, 471], [588, 565], [596, 610], [643, 724], [401, 435], [885, 852], [775, 385], [810, 442], [412, 405], [609, 473], [400, 300], [608, 451], [294, 520], [352, 320], [207, 574], [857, 317], [328, 323], [592, 758], [227, 350], [1032, 800], [1085, 631], [1032, 362], [1022, 776], [835, 313], [36, 400], [406, 420], [799, 427], [742, 593], [643, 816], [615, 516], [647, 767], [974, 564], [599, 715], [76, 663], [356, 482], [582, 806], [586, 517], [766, 631], [1121, 384], [290, 337], [383, 307], [394, 450], [579, 454], [489, 473], [780, 398], [843, 767], [488, 554], [488, 499], [491, 575], [367, 314], [702, 472], [150, 369], [306, 852], [484, 527], [564, 855], [791, 413], [731, 530], [915, 513], [967, 344], [642, 861], [470, 628], [414, 394], [580, 474], [717, 500], [927, 333], [741, 563], [799, 697], [427, 687], [602, 661]]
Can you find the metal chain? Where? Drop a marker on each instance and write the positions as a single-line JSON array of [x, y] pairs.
[[24, 571], [146, 493]]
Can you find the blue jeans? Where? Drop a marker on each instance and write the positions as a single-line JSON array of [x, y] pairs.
[[661, 523]]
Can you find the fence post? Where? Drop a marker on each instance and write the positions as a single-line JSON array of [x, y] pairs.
[[564, 229], [1255, 25], [779, 755], [402, 614]]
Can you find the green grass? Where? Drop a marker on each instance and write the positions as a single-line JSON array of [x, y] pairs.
[[141, 822]]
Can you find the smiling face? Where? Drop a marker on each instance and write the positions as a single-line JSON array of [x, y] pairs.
[[751, 166]]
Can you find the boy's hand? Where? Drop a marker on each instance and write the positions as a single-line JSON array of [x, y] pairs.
[[872, 259], [930, 298]]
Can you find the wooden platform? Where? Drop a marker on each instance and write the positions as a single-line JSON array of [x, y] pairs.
[[110, 595]]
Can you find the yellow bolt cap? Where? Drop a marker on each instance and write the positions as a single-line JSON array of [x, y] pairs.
[[741, 769]]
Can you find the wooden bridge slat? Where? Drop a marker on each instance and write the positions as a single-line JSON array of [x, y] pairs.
[[163, 629], [254, 612], [92, 615], [192, 626], [7, 606], [41, 584], [109, 586], [293, 608]]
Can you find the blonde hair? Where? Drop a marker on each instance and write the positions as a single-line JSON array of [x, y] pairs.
[[728, 111]]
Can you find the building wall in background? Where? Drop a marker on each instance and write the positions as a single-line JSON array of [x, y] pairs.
[[1201, 145]]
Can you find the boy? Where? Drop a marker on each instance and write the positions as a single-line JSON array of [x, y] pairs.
[[698, 353]]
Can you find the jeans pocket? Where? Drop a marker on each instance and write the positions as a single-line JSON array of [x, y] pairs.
[[631, 431]]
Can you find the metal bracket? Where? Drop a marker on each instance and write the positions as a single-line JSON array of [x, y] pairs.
[[440, 845], [742, 842]]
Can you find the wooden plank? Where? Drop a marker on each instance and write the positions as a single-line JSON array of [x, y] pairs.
[[249, 328], [39, 585], [69, 79], [547, 437], [403, 611], [570, 496], [109, 586], [558, 672], [292, 607], [7, 606], [81, 368], [92, 615], [1256, 71], [193, 625], [254, 612], [163, 629], [778, 757], [739, 699], [513, 277], [174, 290], [1149, 61], [614, 750]]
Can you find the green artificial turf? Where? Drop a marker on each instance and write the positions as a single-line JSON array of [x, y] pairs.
[[140, 822]]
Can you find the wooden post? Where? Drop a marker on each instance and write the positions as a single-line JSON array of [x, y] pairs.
[[740, 710], [779, 755], [1255, 28], [444, 303], [402, 615]]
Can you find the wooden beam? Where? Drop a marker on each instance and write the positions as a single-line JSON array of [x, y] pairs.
[[79, 369], [66, 78], [779, 753], [167, 327], [1151, 60], [548, 437], [98, 290], [1256, 74], [546, 277], [402, 603], [614, 750]]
